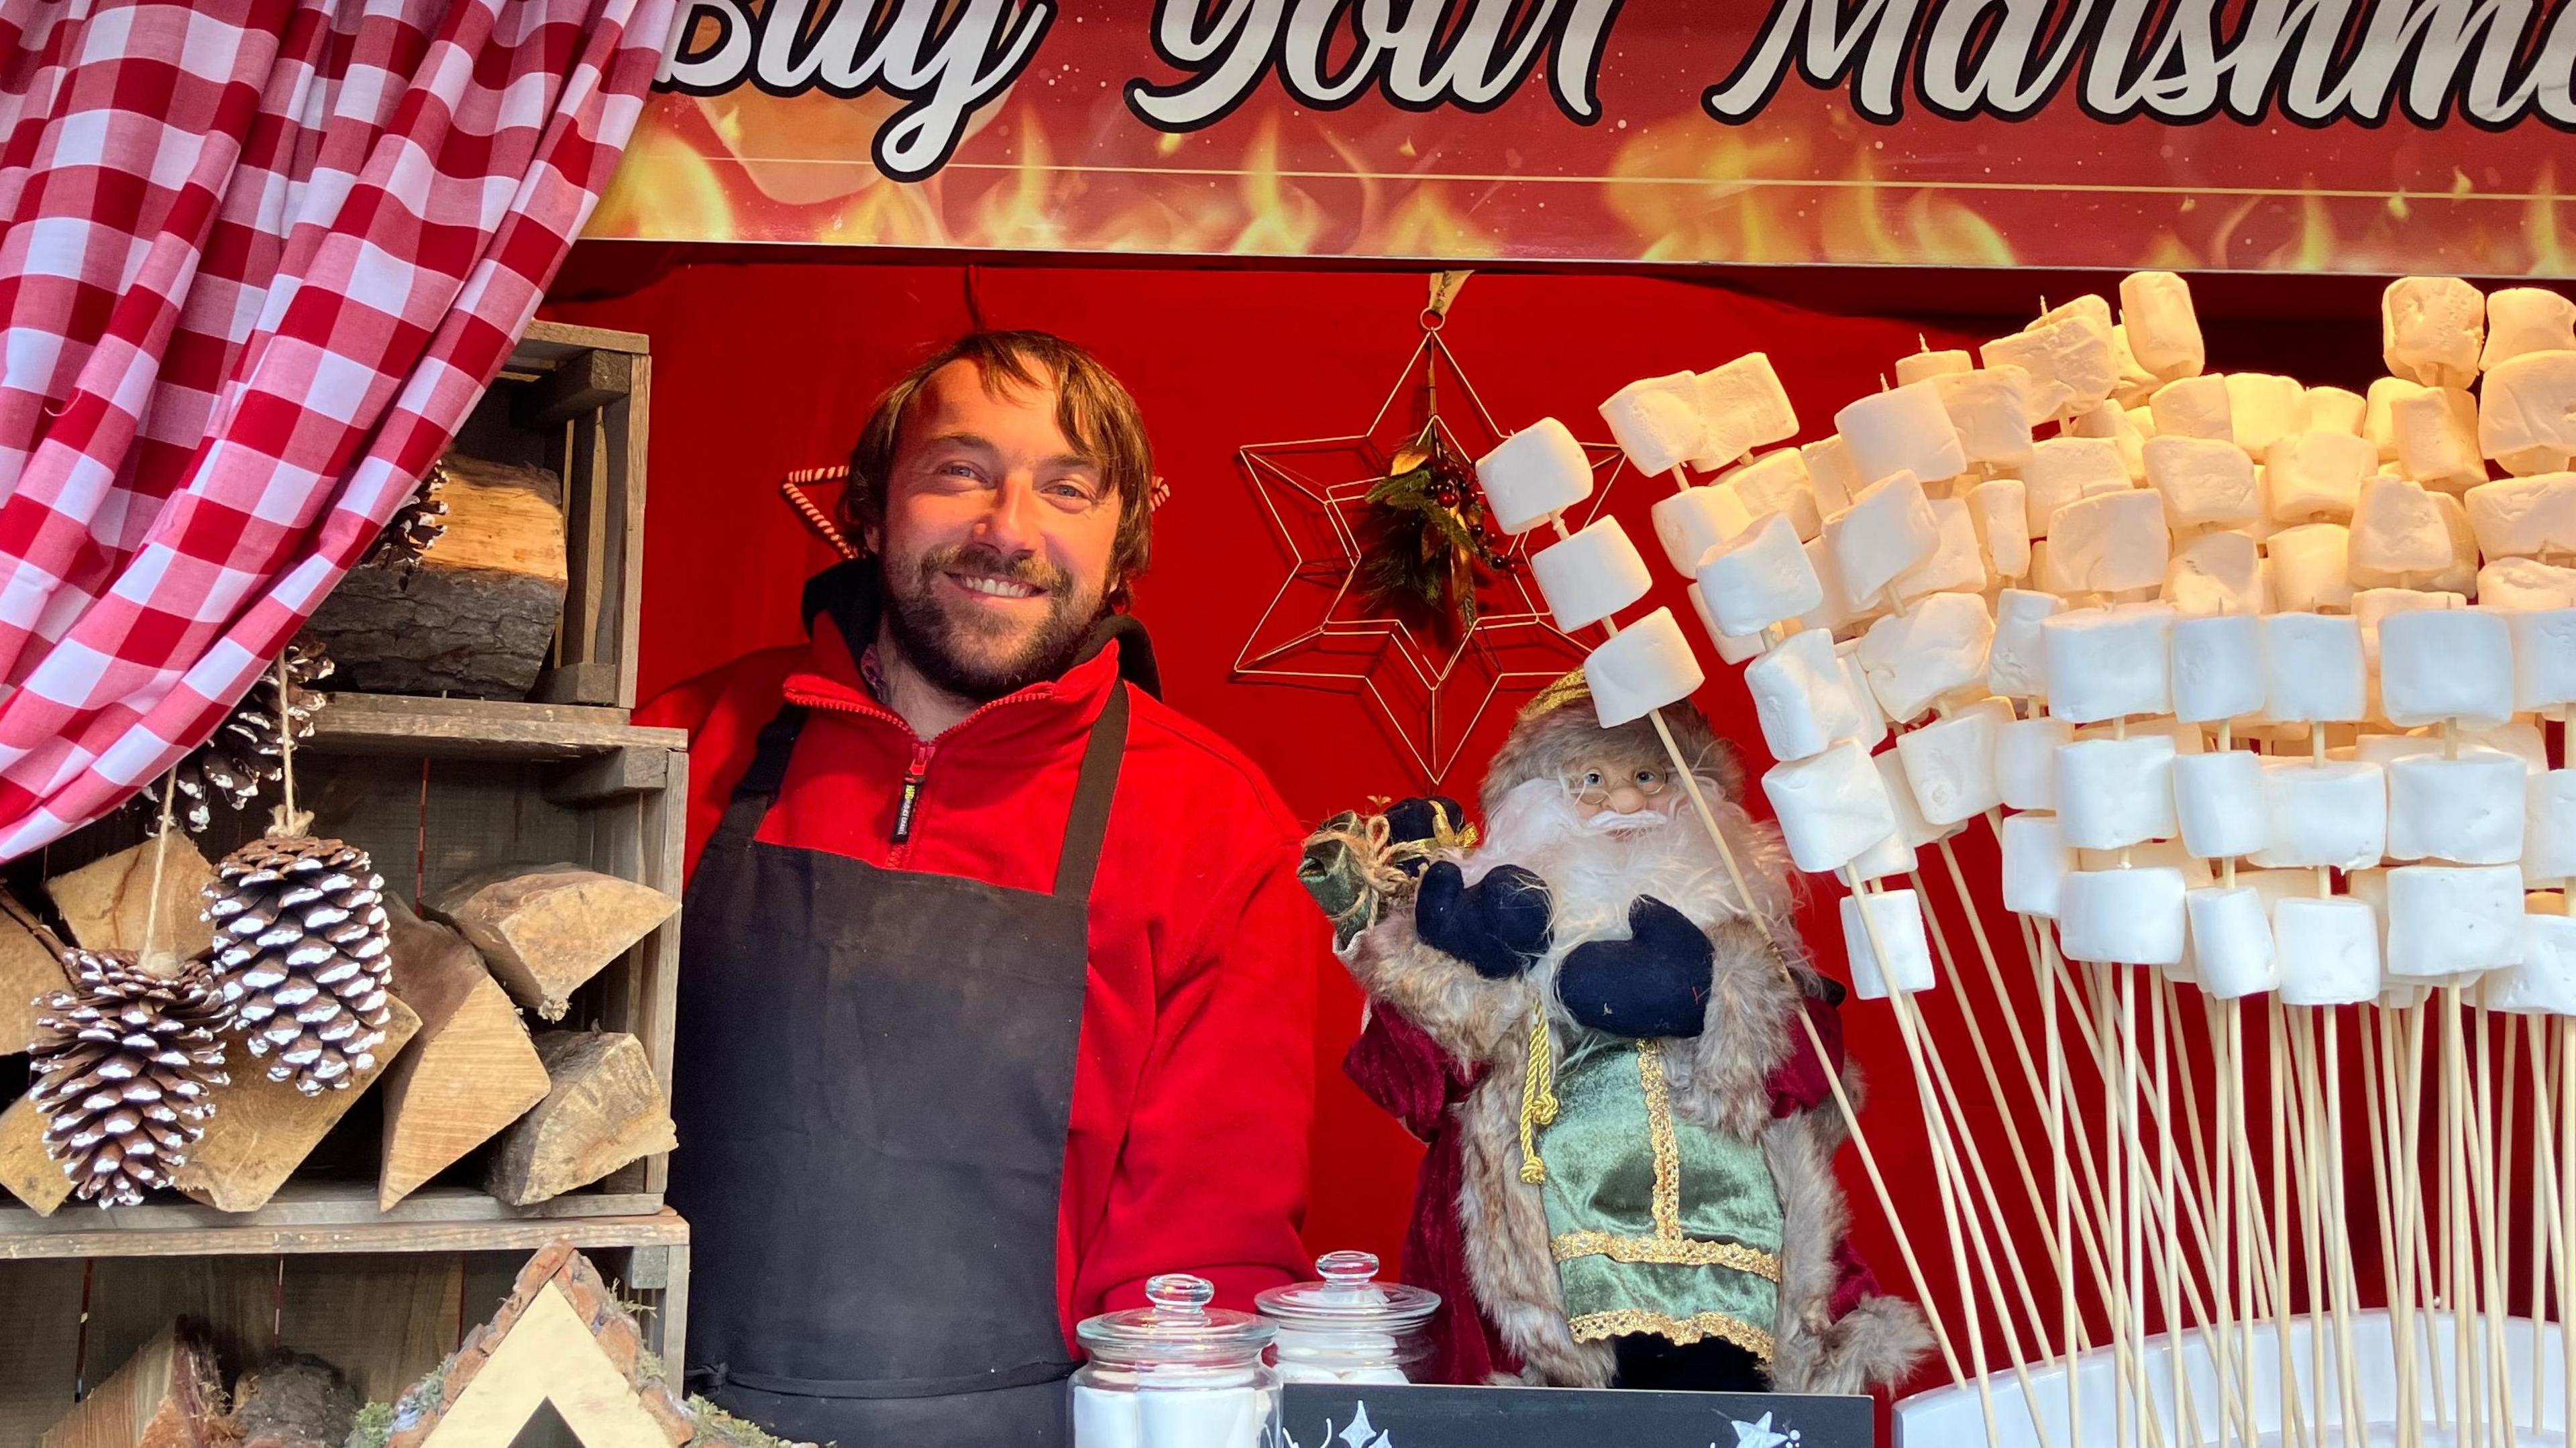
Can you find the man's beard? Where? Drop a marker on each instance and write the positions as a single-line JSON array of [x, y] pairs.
[[941, 647]]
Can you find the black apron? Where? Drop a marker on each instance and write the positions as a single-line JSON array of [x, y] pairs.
[[874, 1081]]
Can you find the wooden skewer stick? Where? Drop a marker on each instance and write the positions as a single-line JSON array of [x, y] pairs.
[[2162, 1025], [2545, 1247], [2205, 1188], [2413, 1023], [2378, 1084], [2303, 1113], [2277, 1063], [2482, 1182], [2356, 1426]]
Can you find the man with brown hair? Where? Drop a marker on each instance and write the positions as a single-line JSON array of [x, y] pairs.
[[998, 988]]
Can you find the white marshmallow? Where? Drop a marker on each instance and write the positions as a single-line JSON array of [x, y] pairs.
[[1741, 406], [2311, 567], [1831, 474], [2373, 606], [1760, 578], [2314, 671], [2459, 575], [1731, 648], [2218, 802], [2328, 951], [2468, 811], [1957, 564], [2549, 825], [1926, 365], [2333, 409], [2162, 327], [1890, 858], [1951, 762], [2026, 760], [2517, 741], [2431, 330], [1588, 576], [2398, 528], [2065, 470], [1896, 917], [1533, 475], [2114, 793], [1838, 610], [2323, 814], [2525, 517], [2446, 664], [1690, 522], [2526, 585], [2035, 863], [1657, 422], [1777, 482], [2544, 983], [2527, 412], [1902, 431], [2544, 658], [2526, 319], [2194, 407], [2231, 942], [1646, 666], [1938, 648], [2436, 431], [2202, 480], [2000, 509], [1889, 528], [2107, 663], [2377, 423], [1800, 698], [2445, 922], [2218, 668], [2317, 474], [2122, 917], [1856, 683], [2217, 573], [1830, 807], [2017, 662], [1990, 408], [2068, 355], [2082, 304], [1913, 831], [2265, 407], [2136, 383], [2109, 544]]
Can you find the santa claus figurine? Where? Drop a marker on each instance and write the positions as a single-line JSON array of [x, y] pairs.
[[1643, 1139]]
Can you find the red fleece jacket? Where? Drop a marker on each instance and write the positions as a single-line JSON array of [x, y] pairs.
[[1195, 1080]]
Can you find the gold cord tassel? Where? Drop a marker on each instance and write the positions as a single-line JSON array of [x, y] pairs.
[[1538, 1095]]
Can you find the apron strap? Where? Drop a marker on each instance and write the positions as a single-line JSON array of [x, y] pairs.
[[1093, 792], [759, 787]]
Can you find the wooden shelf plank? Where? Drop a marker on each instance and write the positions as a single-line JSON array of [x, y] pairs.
[[70, 1234], [303, 1204], [400, 724]]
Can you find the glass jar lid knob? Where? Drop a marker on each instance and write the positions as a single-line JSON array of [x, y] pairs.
[[1346, 1271], [1179, 1298]]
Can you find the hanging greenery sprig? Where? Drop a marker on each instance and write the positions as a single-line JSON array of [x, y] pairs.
[[1426, 547]]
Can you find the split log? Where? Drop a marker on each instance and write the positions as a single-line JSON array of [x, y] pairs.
[[477, 615], [168, 1395], [603, 1111], [545, 930], [469, 1072], [108, 905], [29, 971], [261, 1130], [25, 1171], [293, 1400]]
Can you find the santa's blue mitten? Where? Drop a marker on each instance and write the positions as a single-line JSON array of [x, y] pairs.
[[1414, 821], [1654, 983], [1498, 925]]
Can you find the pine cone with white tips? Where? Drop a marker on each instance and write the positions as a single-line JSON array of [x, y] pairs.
[[301, 953], [126, 1071]]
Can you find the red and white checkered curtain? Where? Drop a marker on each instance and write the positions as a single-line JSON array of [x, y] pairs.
[[260, 258]]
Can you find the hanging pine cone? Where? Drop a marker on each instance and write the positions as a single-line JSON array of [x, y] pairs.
[[416, 525], [300, 939], [124, 1074], [243, 754]]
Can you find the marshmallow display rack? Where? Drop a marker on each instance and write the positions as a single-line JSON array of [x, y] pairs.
[[2262, 689]]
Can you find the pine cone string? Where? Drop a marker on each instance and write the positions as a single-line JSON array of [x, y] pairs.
[[301, 953], [416, 526], [124, 1075], [230, 767]]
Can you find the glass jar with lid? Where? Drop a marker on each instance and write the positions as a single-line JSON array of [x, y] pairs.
[[1350, 1327], [1176, 1373]]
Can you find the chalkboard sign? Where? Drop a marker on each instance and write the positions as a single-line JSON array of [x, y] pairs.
[[1321, 1416]]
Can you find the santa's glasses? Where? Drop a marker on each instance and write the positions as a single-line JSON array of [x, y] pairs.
[[1594, 786]]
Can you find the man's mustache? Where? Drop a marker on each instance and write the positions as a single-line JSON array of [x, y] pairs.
[[979, 562]]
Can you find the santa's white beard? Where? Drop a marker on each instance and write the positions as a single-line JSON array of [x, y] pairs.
[[1595, 869]]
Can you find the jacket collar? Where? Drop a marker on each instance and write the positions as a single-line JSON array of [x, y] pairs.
[[848, 598]]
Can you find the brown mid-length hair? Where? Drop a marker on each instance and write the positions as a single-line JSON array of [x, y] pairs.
[[1092, 408]]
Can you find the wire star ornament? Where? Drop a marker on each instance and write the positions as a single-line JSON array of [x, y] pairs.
[[1322, 630]]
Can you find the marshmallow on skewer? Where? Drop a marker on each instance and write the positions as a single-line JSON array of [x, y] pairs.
[[1640, 669], [2026, 760], [2109, 544], [2109, 663], [2526, 319], [2468, 811], [1741, 406], [2446, 921], [1588, 576], [1951, 762], [2436, 431], [2218, 803], [1800, 696], [2122, 917], [1990, 408], [2317, 474], [2036, 860], [2265, 407], [2397, 527], [2332, 814], [1934, 651], [1831, 807], [2544, 658], [1691, 521], [2549, 826], [2217, 573], [2333, 409], [2314, 669], [2517, 741], [2136, 383], [2544, 982], [2126, 428], [2000, 510], [1533, 475], [2203, 480], [1760, 578], [1956, 565], [2115, 793], [2527, 412], [1777, 482], [2373, 606], [1890, 858], [2068, 355], [2017, 661], [2454, 664], [2526, 585], [2163, 328], [2311, 567], [1889, 528], [2432, 329], [1856, 683], [1832, 475], [2218, 669], [1913, 831], [1657, 421], [2063, 471], [1925, 365], [1903, 431], [2525, 517], [2328, 951], [1731, 648], [2378, 422], [1896, 921], [2194, 406], [2231, 942]]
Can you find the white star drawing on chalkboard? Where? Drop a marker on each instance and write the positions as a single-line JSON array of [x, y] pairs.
[[1758, 1435]]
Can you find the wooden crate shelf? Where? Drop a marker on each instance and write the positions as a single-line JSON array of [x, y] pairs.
[[400, 724], [340, 1217]]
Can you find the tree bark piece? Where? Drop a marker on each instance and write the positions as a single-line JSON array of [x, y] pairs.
[[603, 1111], [168, 1395], [477, 615], [261, 1130], [108, 903], [293, 1400], [545, 930], [29, 971], [29, 1175], [469, 1072]]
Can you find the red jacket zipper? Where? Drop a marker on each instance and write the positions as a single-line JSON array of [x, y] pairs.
[[915, 774]]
